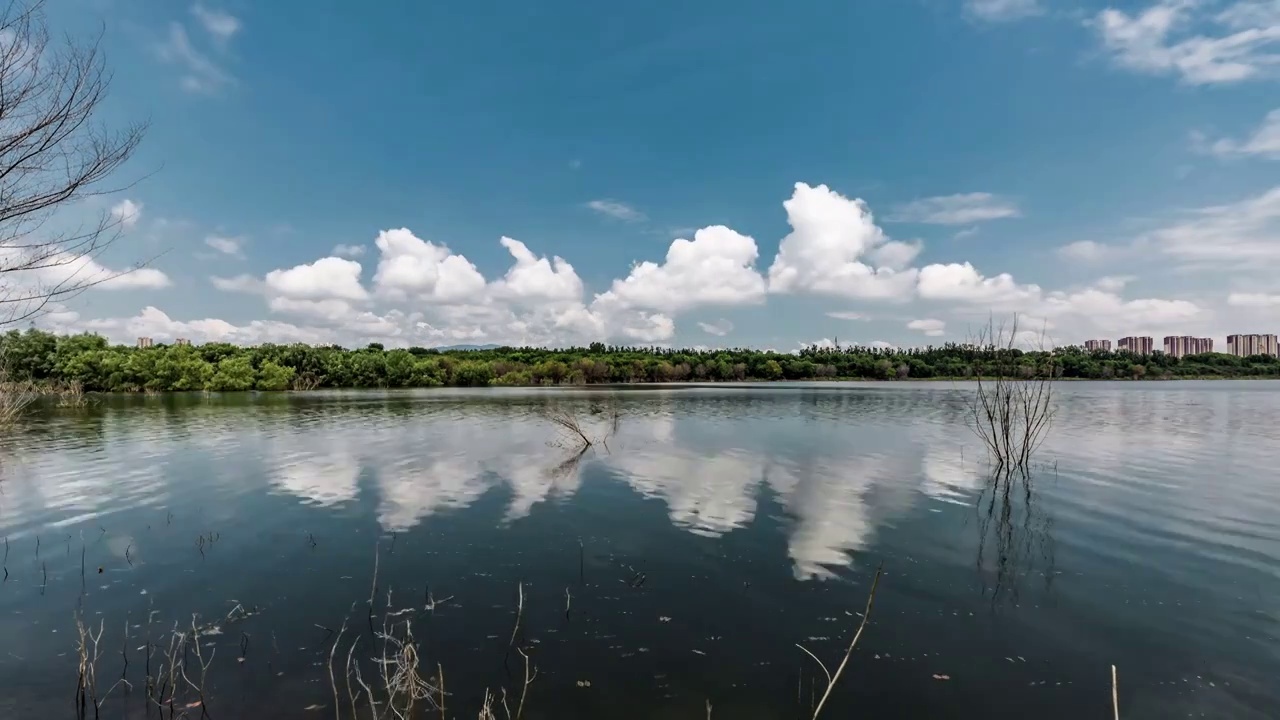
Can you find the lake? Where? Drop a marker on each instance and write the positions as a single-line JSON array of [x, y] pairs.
[[679, 561]]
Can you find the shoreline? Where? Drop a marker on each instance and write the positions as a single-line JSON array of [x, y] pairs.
[[53, 391]]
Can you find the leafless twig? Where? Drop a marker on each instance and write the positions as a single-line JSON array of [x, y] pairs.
[[1012, 410], [832, 679], [53, 154], [528, 680], [567, 422]]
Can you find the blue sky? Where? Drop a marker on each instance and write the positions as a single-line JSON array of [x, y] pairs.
[[1104, 169]]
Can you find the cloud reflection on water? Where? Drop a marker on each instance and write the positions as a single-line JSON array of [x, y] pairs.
[[839, 464]]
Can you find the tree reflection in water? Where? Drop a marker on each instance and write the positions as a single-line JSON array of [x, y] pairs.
[[1015, 534]]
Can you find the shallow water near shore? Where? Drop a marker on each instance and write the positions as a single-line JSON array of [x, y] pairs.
[[680, 564]]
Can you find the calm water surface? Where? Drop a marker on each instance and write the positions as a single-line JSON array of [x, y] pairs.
[[720, 527]]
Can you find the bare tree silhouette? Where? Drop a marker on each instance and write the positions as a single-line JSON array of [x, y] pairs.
[[1012, 410], [52, 155]]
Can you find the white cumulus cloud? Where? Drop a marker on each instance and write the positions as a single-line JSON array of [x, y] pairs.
[[324, 279], [717, 267], [961, 281], [424, 293], [412, 268], [830, 235], [537, 279]]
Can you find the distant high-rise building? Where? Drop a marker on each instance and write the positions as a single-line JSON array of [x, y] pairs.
[[182, 341], [1246, 345], [1183, 345], [1097, 345], [1137, 345], [144, 342]]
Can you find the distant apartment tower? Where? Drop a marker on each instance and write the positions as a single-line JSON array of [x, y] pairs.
[[182, 341], [1097, 345], [1183, 345], [145, 342], [1137, 345], [1246, 345]]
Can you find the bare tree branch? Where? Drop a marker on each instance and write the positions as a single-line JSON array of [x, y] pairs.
[[52, 154], [1011, 411]]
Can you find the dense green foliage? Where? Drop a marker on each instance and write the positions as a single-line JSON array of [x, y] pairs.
[[89, 361]]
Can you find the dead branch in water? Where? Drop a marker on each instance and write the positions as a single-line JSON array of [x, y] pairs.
[[832, 679], [575, 435], [569, 426], [1011, 412], [528, 680]]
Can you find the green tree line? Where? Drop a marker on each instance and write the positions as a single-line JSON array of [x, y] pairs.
[[94, 364]]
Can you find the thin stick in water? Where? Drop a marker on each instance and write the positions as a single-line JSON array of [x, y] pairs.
[[440, 670], [373, 588], [1115, 695], [519, 612], [871, 598], [528, 680], [333, 683], [353, 696]]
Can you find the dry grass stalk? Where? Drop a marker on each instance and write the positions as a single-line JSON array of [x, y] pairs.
[[172, 687], [204, 667], [305, 382], [1011, 412], [354, 696], [15, 397], [832, 679], [486, 707], [89, 652], [337, 707], [399, 668], [70, 394], [87, 676]]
